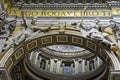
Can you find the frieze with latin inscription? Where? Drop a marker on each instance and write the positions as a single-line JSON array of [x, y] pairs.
[[66, 13]]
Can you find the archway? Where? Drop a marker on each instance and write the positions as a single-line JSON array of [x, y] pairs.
[[54, 38]]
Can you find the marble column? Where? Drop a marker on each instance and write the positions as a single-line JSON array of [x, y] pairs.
[[98, 61], [51, 65], [92, 65], [72, 69], [39, 60], [46, 65], [58, 66], [118, 41], [95, 62], [76, 66], [80, 66], [83, 65], [32, 56], [1, 6], [61, 69], [36, 57], [63, 65], [55, 66], [87, 66]]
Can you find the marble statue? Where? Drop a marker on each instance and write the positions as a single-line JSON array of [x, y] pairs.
[[9, 43], [62, 26], [83, 29], [79, 26], [12, 40], [115, 26], [34, 20], [3, 15], [2, 20], [6, 26], [29, 31], [96, 24], [1, 27], [95, 33], [101, 36]]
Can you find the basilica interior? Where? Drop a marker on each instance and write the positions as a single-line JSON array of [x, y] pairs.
[[59, 39]]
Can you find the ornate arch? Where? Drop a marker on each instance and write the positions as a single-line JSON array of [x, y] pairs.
[[13, 56]]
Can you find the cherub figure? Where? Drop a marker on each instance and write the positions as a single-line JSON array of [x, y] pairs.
[[62, 26]]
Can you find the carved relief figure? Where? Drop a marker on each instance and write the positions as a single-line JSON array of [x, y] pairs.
[[94, 33], [6, 26], [26, 33], [62, 26], [29, 31], [115, 26]]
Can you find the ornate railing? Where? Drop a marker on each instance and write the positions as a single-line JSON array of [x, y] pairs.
[[37, 72]]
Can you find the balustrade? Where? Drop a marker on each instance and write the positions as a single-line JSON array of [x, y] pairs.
[[58, 66]]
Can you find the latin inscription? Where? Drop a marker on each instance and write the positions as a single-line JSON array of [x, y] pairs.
[[66, 13]]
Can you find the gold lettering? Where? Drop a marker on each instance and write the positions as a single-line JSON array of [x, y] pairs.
[[49, 14], [87, 13], [95, 13], [43, 13], [81, 13], [63, 14], [106, 13], [55, 13], [35, 13], [28, 13], [69, 13], [75, 14], [11, 11], [118, 11]]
